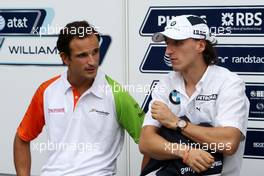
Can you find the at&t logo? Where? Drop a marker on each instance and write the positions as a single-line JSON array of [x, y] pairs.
[[13, 22], [2, 22]]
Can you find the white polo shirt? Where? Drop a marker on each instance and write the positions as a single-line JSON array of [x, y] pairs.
[[84, 134], [219, 100]]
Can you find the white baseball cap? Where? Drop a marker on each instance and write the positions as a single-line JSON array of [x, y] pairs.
[[184, 27]]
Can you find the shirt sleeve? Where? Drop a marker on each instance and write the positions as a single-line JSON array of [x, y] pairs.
[[233, 106], [33, 121], [129, 115]]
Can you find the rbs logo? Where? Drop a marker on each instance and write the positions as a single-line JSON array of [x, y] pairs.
[[242, 19]]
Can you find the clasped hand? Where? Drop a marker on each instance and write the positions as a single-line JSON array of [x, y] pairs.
[[161, 112]]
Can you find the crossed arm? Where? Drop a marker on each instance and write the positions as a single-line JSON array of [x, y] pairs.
[[227, 138], [153, 145]]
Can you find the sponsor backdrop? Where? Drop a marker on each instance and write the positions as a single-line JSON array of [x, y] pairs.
[[239, 27], [28, 56]]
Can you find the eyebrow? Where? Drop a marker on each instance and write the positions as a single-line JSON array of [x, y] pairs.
[[88, 52]]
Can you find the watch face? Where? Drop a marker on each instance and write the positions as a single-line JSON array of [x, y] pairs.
[[182, 123]]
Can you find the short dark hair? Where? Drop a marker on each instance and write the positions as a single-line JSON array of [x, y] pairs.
[[209, 54], [76, 29]]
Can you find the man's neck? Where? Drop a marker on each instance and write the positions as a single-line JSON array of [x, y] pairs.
[[192, 77], [80, 84]]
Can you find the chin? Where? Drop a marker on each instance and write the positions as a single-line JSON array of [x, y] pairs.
[[176, 69], [179, 67], [91, 75]]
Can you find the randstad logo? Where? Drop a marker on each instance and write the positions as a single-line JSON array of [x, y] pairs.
[[20, 21]]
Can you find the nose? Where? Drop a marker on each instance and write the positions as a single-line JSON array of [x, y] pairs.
[[91, 59], [169, 50]]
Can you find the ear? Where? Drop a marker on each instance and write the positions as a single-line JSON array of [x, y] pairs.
[[65, 58], [201, 44]]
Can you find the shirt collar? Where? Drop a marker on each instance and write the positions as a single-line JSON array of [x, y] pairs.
[[66, 85], [202, 80], [178, 82], [98, 87]]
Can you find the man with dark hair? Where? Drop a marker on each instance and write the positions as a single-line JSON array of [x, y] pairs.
[[84, 115], [202, 92]]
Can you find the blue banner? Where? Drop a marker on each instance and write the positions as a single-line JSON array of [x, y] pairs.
[[153, 61], [254, 144], [21, 21], [222, 20], [242, 59], [255, 94]]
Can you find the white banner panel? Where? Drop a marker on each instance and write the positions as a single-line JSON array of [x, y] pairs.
[[239, 27], [28, 57]]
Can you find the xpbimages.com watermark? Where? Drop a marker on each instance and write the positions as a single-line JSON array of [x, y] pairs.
[[132, 88], [69, 147], [212, 147], [51, 30]]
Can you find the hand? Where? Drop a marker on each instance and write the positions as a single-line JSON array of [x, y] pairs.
[[199, 160], [161, 112]]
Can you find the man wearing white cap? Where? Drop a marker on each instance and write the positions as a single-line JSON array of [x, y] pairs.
[[202, 92]]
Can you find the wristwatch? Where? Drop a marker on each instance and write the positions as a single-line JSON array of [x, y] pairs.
[[181, 125]]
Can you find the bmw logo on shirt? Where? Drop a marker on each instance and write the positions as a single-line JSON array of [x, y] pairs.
[[174, 97]]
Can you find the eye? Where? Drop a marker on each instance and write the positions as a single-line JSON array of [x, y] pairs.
[[95, 51], [82, 55], [178, 42], [88, 53]]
